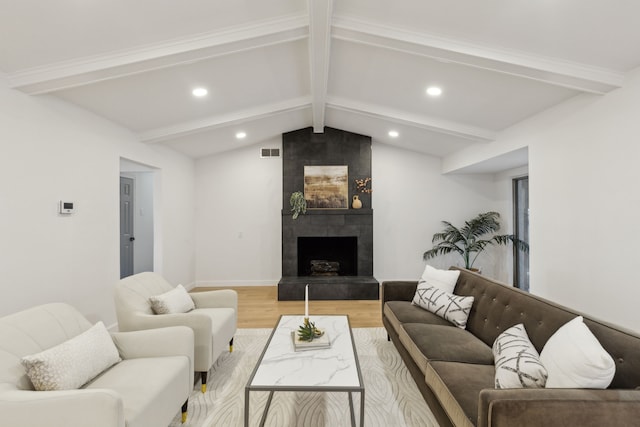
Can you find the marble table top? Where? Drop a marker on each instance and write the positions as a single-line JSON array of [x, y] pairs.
[[333, 367]]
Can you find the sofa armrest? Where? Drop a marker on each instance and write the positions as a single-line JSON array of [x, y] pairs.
[[398, 290], [223, 298], [558, 407], [65, 408]]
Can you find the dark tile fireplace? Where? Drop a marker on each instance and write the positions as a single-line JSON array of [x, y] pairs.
[[339, 242]]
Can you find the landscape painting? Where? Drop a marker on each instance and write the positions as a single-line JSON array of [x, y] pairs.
[[326, 187]]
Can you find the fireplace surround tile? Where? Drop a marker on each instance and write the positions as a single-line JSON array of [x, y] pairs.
[[333, 147]]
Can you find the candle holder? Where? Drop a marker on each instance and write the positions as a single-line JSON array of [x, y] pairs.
[[308, 331]]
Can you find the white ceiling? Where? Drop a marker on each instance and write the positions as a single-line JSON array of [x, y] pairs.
[[280, 65]]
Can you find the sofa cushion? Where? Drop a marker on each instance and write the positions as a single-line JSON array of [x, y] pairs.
[[399, 312], [407, 312], [149, 387], [72, 363], [442, 279], [517, 361], [457, 386], [575, 359], [453, 308], [437, 342], [177, 300]]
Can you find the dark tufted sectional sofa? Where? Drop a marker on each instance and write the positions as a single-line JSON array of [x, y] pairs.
[[453, 368]]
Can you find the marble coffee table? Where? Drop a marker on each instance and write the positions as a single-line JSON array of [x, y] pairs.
[[333, 369]]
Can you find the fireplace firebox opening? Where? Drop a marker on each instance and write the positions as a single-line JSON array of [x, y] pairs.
[[328, 256]]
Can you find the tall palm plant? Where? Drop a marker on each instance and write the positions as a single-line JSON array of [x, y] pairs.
[[468, 241]]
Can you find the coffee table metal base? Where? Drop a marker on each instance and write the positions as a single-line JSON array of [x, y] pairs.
[[270, 398]]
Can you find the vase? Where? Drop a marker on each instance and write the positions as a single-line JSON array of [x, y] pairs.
[[357, 203]]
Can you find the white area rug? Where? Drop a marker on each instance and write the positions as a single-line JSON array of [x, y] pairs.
[[391, 396]]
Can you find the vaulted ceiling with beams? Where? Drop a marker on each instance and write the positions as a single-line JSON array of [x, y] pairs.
[[359, 65]]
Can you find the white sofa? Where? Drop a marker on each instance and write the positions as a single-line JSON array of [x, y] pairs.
[[214, 319], [145, 389]]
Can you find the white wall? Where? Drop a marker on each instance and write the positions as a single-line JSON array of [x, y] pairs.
[[585, 205], [52, 150], [410, 199], [238, 217], [238, 214], [584, 200]]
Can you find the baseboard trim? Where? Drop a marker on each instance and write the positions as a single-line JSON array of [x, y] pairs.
[[223, 283]]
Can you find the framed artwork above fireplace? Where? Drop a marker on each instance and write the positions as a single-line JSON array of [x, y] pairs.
[[326, 187]]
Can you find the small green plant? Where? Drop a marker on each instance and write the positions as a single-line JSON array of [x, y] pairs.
[[298, 204], [308, 331], [467, 240]]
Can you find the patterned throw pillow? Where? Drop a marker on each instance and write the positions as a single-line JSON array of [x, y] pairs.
[[73, 363], [177, 300], [453, 308], [517, 361]]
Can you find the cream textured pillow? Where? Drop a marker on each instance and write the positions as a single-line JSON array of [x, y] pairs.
[[575, 359], [453, 308], [443, 279], [177, 300], [74, 362], [517, 361]]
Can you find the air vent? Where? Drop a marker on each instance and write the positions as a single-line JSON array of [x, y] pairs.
[[269, 152]]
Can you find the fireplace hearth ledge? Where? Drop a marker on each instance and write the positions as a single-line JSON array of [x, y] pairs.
[[329, 288]]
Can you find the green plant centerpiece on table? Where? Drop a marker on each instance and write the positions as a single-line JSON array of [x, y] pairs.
[[468, 240], [298, 204], [308, 331]]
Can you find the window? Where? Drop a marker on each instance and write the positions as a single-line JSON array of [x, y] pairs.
[[521, 221]]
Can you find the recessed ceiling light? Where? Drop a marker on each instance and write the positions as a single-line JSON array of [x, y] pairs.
[[393, 133], [434, 91], [199, 92], [241, 135]]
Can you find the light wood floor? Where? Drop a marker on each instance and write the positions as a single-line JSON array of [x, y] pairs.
[[258, 307]]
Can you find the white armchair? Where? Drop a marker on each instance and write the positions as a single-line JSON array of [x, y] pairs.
[[145, 389], [214, 320]]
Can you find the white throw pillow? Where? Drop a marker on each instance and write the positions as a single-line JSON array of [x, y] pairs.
[[177, 300], [74, 362], [517, 361], [574, 358], [443, 279], [453, 308]]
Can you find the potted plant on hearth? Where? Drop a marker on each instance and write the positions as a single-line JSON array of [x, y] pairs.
[[298, 204], [468, 241]]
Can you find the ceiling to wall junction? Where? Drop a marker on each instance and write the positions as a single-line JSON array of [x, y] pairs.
[[359, 65]]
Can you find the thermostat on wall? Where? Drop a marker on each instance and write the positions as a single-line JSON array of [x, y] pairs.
[[66, 207]]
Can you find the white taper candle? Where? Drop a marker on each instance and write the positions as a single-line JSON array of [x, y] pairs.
[[306, 301]]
